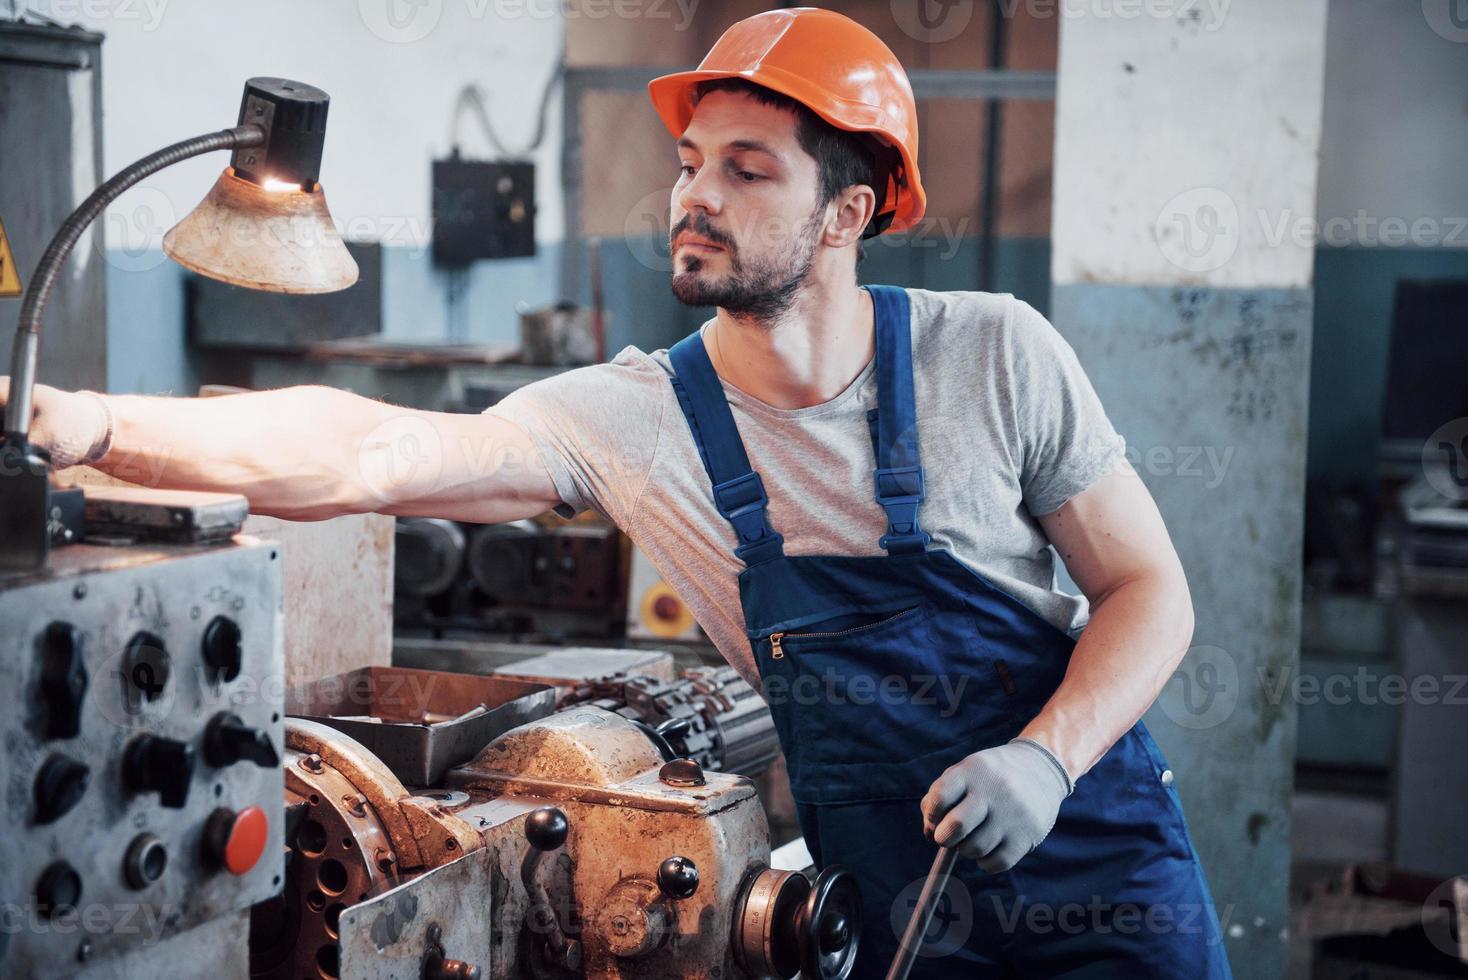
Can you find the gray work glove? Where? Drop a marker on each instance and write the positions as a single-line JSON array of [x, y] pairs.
[[997, 805]]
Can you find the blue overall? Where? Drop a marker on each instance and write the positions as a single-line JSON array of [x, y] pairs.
[[883, 670]]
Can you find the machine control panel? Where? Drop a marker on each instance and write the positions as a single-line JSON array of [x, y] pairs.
[[142, 731]]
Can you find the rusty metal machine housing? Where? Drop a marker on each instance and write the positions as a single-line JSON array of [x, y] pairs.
[[568, 846]]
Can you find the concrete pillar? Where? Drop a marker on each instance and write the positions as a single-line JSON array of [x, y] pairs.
[[1185, 166]]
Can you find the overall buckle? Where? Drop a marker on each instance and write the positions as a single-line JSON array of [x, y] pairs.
[[900, 491], [741, 501]]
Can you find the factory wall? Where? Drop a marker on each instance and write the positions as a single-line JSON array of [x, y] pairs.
[[175, 69], [1393, 204], [1164, 154]]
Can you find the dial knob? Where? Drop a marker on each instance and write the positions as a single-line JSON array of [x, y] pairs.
[[153, 763], [222, 651], [678, 877], [60, 784], [228, 740], [546, 828]]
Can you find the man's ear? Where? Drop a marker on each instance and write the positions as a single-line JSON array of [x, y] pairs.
[[851, 210]]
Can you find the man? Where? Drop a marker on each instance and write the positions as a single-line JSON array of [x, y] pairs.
[[855, 489]]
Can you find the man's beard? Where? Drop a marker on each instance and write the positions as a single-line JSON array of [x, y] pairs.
[[761, 290]]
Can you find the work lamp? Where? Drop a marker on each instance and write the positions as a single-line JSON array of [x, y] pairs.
[[264, 225]]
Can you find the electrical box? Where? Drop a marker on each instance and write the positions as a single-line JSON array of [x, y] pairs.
[[482, 210]]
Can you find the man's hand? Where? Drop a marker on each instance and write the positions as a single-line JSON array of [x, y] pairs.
[[72, 426], [997, 805]]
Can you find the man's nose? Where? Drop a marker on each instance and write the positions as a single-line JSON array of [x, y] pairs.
[[699, 193]]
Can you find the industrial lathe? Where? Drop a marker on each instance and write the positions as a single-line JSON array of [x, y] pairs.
[[173, 809]]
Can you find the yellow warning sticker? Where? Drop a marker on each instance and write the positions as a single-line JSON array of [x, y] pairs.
[[9, 274]]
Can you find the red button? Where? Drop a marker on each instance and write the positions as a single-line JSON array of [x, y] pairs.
[[237, 839]]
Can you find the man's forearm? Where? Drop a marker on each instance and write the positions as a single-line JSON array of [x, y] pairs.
[[282, 449], [1136, 636]]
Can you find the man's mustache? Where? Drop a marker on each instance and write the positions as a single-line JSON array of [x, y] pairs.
[[698, 224]]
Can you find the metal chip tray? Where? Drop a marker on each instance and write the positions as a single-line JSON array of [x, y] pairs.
[[420, 723]]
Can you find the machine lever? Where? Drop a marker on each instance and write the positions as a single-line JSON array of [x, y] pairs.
[[922, 913]]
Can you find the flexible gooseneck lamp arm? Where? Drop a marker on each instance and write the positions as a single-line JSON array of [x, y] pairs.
[[264, 225], [27, 334]]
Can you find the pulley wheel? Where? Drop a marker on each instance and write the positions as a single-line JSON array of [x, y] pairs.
[[766, 926], [828, 927]]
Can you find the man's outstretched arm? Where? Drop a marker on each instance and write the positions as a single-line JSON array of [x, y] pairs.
[[306, 452]]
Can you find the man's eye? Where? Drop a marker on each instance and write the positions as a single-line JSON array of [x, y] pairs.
[[748, 177], [687, 169]]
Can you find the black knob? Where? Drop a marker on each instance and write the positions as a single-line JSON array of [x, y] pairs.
[[678, 877], [222, 651], [60, 783], [58, 889], [833, 933], [166, 765], [147, 666], [63, 680], [546, 828], [674, 728], [227, 740]]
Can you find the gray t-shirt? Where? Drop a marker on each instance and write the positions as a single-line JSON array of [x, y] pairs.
[[1009, 428]]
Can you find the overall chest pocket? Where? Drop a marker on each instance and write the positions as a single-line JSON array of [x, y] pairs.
[[877, 709]]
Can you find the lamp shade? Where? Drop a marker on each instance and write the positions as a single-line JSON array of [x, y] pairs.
[[278, 238]]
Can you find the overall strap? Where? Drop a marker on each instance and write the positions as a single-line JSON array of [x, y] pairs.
[[739, 493], [899, 475]]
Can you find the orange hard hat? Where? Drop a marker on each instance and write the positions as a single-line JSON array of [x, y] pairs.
[[832, 65]]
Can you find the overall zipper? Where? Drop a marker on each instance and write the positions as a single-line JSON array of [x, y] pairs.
[[778, 653]]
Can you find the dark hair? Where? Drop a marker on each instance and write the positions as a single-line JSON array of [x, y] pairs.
[[844, 158]]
